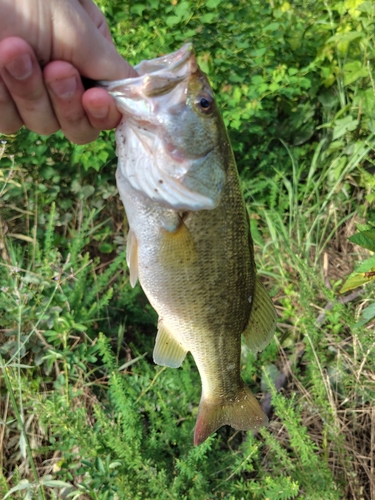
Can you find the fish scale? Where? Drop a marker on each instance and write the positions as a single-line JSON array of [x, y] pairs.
[[189, 242]]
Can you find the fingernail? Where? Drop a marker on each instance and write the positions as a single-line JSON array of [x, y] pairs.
[[64, 88], [20, 68], [99, 112]]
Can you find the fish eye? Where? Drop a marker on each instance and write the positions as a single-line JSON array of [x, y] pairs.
[[205, 103]]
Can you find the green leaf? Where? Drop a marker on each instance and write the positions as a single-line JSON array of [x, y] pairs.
[[366, 7], [99, 464], [359, 278], [106, 248], [47, 172], [364, 227], [87, 463], [269, 376], [208, 18], [22, 485], [344, 125], [54, 483], [103, 155], [258, 52], [367, 266], [137, 8], [271, 27], [352, 71], [172, 21], [212, 4], [367, 315], [365, 239], [346, 37], [205, 63], [257, 79], [87, 191], [328, 98], [182, 10], [79, 327]]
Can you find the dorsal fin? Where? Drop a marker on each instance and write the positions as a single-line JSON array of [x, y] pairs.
[[262, 321]]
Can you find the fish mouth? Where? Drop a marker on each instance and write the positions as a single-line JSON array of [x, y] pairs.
[[157, 76], [172, 62]]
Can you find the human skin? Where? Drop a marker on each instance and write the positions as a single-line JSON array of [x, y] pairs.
[[45, 48]]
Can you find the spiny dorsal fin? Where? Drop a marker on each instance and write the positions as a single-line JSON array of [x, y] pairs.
[[132, 257], [168, 351], [262, 321]]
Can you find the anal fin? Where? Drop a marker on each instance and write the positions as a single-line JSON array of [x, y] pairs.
[[262, 321], [168, 351], [132, 257]]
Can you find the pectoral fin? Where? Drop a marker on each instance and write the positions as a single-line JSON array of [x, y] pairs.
[[168, 351], [262, 321], [177, 247], [132, 257]]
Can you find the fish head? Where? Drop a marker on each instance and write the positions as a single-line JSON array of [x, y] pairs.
[[172, 144]]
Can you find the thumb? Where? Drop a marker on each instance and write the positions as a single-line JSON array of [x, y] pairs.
[[78, 38], [97, 18]]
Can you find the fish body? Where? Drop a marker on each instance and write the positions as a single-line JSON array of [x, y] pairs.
[[189, 242]]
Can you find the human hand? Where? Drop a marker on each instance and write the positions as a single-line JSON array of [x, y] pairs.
[[68, 38]]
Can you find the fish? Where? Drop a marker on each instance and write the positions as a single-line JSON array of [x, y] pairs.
[[189, 242]]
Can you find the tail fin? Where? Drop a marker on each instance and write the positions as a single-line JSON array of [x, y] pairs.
[[243, 413]]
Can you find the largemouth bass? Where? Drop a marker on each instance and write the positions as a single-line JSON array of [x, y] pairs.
[[189, 242]]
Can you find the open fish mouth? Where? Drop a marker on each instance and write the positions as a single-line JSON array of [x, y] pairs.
[[172, 68], [173, 62], [157, 77], [165, 145]]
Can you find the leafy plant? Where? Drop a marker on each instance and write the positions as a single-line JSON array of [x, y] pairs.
[[365, 272]]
